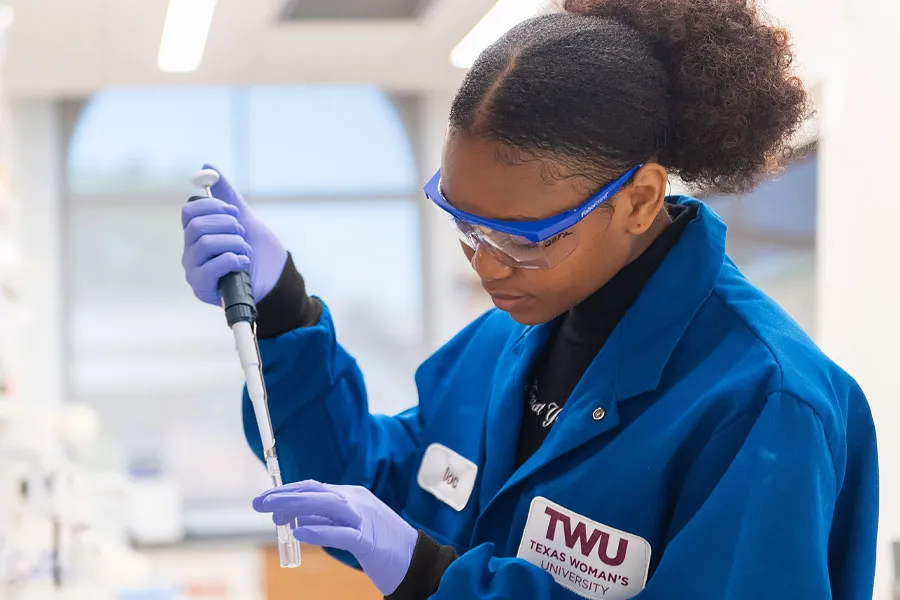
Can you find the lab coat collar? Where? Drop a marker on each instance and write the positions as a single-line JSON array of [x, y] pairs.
[[505, 408], [655, 323], [630, 364]]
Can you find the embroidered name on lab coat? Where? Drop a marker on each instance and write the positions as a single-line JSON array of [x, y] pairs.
[[584, 556], [447, 476]]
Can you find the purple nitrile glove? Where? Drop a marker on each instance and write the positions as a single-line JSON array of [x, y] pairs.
[[223, 235], [348, 518]]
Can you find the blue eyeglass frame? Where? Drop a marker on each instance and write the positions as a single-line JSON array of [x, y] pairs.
[[534, 231]]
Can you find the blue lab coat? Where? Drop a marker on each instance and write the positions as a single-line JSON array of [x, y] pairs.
[[735, 459]]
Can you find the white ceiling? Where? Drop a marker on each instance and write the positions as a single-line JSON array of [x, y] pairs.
[[74, 47]]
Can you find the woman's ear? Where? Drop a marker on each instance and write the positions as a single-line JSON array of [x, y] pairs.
[[644, 197]]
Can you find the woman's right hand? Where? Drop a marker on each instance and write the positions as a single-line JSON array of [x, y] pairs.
[[222, 235]]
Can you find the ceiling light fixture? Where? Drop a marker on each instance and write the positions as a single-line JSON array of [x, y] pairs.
[[184, 35]]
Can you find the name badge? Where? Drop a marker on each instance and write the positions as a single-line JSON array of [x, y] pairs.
[[584, 556], [447, 476]]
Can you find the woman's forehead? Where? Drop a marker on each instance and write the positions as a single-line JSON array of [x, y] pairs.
[[474, 180]]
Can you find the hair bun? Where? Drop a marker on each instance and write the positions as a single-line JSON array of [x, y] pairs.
[[735, 100]]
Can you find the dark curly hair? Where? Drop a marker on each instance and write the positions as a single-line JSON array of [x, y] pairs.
[[703, 87]]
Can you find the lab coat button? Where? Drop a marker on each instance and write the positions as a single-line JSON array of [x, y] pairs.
[[599, 413]]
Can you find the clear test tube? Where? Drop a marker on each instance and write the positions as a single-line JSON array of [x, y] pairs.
[[288, 545]]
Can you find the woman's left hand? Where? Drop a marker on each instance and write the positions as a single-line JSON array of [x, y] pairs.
[[347, 518]]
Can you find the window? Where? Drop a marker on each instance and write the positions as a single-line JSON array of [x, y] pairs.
[[328, 168], [362, 149], [139, 140]]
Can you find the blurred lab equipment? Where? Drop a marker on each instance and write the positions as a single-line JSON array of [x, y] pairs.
[[57, 540], [240, 313]]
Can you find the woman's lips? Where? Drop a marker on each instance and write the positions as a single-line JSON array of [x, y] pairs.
[[509, 302]]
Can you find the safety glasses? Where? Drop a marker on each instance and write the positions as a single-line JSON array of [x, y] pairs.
[[538, 244]]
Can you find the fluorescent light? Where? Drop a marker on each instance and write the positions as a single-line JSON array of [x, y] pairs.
[[184, 35], [505, 15]]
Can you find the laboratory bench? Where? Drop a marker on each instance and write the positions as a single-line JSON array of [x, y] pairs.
[[246, 567]]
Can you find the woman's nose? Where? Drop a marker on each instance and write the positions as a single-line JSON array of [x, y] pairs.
[[488, 267]]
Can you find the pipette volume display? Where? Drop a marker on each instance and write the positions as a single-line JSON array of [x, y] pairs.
[[240, 313]]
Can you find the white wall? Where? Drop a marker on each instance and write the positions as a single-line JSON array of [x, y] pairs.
[[858, 272], [38, 140]]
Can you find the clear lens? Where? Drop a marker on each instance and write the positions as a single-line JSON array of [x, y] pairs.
[[517, 251]]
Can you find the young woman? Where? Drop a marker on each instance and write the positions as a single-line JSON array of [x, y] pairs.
[[635, 418]]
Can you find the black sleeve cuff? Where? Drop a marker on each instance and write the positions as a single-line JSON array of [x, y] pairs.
[[429, 561], [287, 306]]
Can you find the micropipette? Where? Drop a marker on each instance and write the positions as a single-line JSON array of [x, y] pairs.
[[240, 313]]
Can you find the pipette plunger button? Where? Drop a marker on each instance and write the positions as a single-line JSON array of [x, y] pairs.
[[205, 178]]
